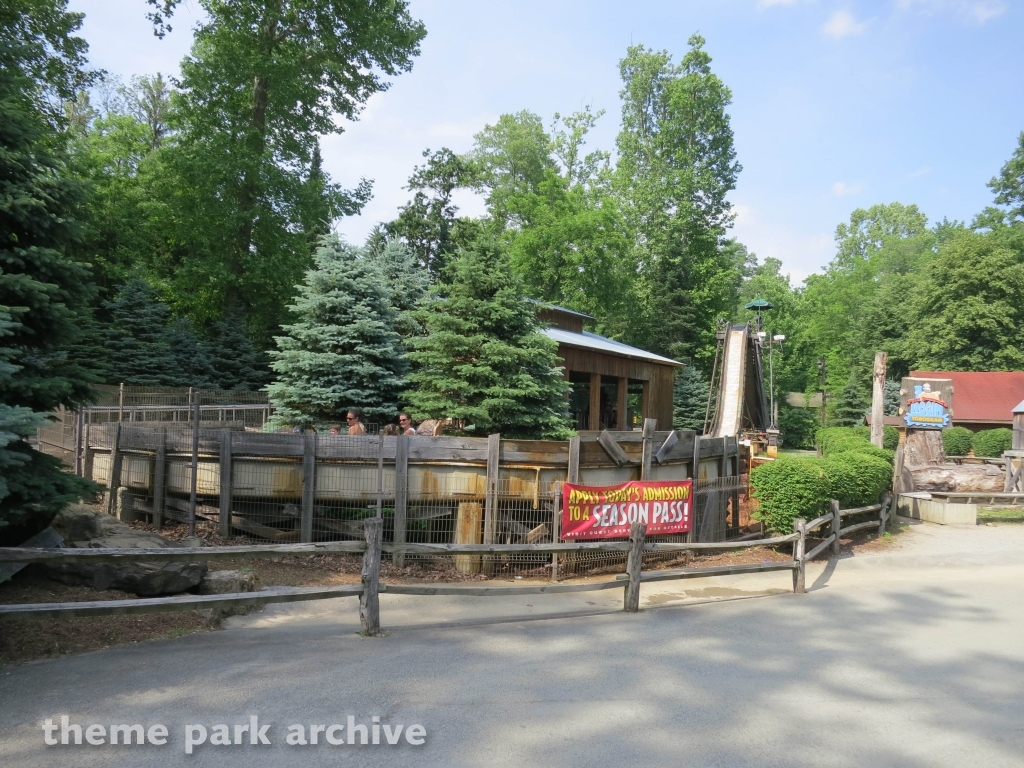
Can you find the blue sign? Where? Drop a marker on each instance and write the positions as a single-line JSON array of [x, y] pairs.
[[926, 408]]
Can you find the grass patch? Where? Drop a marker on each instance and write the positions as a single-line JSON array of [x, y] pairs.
[[1001, 515]]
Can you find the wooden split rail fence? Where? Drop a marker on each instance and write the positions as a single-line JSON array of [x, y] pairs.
[[372, 548]]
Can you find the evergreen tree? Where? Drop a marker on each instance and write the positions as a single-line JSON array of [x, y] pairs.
[[408, 281], [192, 367], [483, 361], [854, 402], [42, 291], [690, 399], [235, 359], [343, 350], [892, 398], [138, 343]]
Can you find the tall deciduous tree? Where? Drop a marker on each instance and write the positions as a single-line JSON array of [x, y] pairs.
[[483, 361], [676, 166], [1009, 184], [263, 82], [342, 351]]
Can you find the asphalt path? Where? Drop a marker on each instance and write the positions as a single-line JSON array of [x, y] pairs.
[[911, 657]]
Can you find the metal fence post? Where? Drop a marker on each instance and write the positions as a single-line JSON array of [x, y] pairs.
[[799, 548], [836, 525], [401, 495], [369, 600], [634, 565]]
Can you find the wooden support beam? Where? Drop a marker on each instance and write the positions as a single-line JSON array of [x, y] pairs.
[[666, 447], [595, 402], [308, 486], [224, 519], [648, 448], [622, 405], [369, 600], [491, 497], [615, 453], [115, 469], [573, 475], [401, 494]]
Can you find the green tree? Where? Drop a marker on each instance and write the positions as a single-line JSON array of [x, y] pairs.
[[236, 361], [139, 346], [192, 367], [43, 293], [690, 399], [969, 314], [342, 351], [513, 157], [676, 166], [408, 282], [262, 83], [853, 404], [1009, 184], [429, 223], [483, 361]]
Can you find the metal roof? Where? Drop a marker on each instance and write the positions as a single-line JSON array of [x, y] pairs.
[[587, 340], [566, 310], [982, 396]]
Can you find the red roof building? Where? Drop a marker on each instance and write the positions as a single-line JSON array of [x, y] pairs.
[[982, 399]]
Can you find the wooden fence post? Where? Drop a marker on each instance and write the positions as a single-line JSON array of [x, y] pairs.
[[401, 494], [79, 430], [836, 525], [369, 600], [87, 453], [648, 448], [159, 477], [885, 512], [634, 565], [556, 527], [195, 466], [799, 548], [491, 498], [308, 486], [225, 483], [115, 469]]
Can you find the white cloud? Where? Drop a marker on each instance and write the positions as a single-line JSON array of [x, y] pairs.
[[976, 11], [842, 24], [842, 189]]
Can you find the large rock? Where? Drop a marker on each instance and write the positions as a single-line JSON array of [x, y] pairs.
[[83, 527], [227, 582], [956, 478]]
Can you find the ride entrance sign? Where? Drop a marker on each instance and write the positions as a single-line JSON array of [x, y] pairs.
[[926, 403], [608, 511]]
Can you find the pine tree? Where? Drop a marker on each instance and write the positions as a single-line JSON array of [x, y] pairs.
[[408, 281], [343, 350], [192, 367], [138, 342], [483, 361], [892, 398], [236, 361], [42, 291], [690, 399], [854, 402]]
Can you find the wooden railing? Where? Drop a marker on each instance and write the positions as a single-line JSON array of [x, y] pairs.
[[372, 548]]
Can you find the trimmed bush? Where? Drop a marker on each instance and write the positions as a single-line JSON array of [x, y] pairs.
[[992, 442], [788, 488], [852, 471], [890, 438], [957, 441]]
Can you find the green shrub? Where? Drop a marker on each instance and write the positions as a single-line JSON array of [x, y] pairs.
[[797, 426], [890, 438], [957, 441], [788, 488], [833, 440], [856, 479], [992, 442]]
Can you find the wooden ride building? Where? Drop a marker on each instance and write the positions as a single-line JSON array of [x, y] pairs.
[[614, 386]]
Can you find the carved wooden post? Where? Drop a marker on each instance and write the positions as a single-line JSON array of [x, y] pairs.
[[401, 494], [634, 565], [799, 548], [836, 525], [878, 400], [369, 600]]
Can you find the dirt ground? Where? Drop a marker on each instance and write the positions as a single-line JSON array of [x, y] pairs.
[[24, 639]]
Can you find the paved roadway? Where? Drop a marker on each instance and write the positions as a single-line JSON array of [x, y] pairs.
[[911, 658]]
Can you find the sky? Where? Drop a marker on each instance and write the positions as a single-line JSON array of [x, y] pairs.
[[837, 105]]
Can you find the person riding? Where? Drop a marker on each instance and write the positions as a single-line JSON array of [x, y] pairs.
[[405, 422], [355, 421]]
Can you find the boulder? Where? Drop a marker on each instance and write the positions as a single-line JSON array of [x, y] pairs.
[[82, 526], [227, 582], [956, 478]]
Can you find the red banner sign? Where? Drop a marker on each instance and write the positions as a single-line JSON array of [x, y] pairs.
[[607, 512]]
